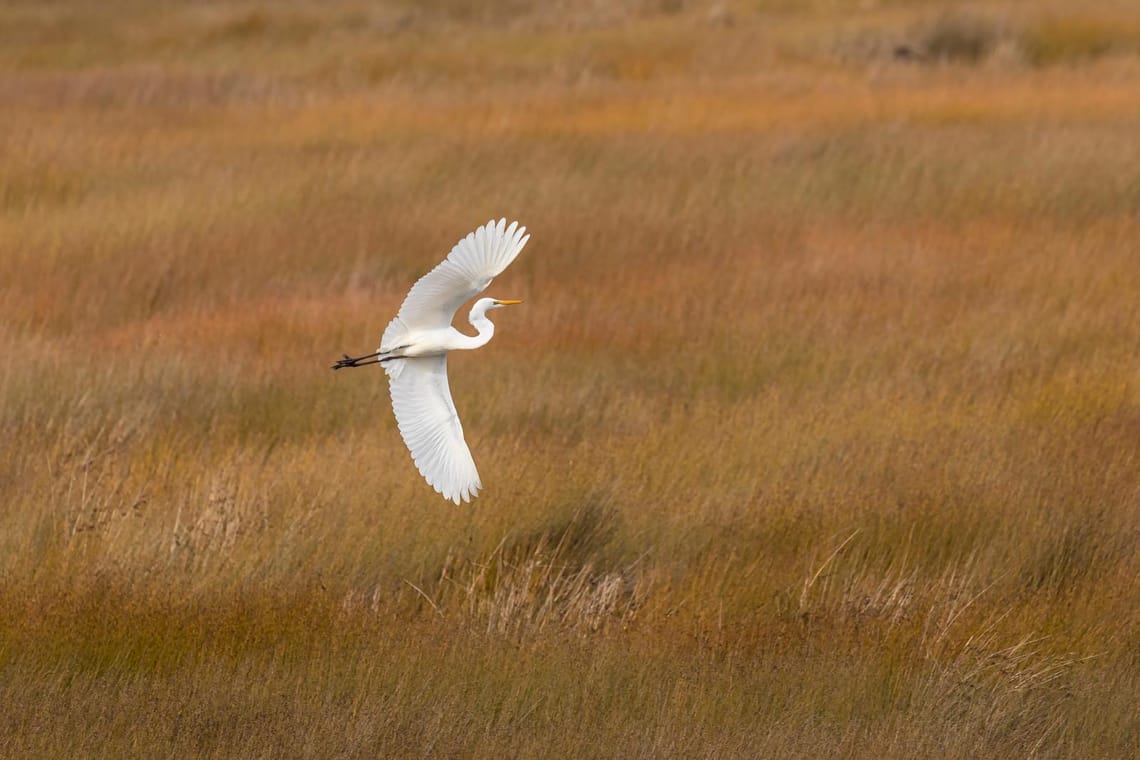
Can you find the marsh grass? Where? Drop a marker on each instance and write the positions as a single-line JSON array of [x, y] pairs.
[[1070, 39], [817, 434]]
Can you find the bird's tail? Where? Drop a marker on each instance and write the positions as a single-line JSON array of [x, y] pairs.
[[395, 335]]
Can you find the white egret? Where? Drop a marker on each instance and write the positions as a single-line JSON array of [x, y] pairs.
[[413, 351]]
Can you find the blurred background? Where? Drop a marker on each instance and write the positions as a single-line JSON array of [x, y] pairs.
[[819, 430]]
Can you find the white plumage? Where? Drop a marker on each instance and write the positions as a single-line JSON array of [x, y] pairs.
[[430, 426], [414, 350]]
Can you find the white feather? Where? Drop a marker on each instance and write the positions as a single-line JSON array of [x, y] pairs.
[[414, 350], [430, 425], [466, 272]]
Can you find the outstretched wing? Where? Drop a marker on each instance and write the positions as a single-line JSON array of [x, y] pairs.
[[430, 425], [467, 271]]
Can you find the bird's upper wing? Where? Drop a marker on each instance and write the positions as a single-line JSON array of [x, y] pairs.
[[430, 425], [467, 271]]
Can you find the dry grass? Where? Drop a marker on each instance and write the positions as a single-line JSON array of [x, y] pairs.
[[1073, 38], [819, 433]]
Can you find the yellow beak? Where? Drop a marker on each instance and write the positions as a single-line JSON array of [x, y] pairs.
[[506, 303]]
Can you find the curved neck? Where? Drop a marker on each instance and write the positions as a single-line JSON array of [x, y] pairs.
[[483, 326]]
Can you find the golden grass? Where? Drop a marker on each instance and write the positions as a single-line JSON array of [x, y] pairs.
[[1072, 38], [818, 433]]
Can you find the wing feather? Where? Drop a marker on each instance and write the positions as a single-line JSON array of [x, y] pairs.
[[467, 271], [430, 425]]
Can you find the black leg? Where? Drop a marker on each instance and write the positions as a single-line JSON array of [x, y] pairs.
[[357, 361]]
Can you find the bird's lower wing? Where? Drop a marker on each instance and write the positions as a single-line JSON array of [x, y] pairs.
[[430, 425]]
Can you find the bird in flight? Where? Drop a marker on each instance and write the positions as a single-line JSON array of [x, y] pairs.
[[414, 347]]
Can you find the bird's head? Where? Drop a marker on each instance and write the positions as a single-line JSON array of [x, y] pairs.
[[483, 305]]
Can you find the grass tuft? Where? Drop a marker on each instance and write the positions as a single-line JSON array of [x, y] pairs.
[[960, 38]]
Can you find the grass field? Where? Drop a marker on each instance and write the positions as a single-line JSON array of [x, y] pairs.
[[818, 434]]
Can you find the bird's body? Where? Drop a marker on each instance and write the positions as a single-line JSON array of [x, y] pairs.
[[414, 352], [442, 340]]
